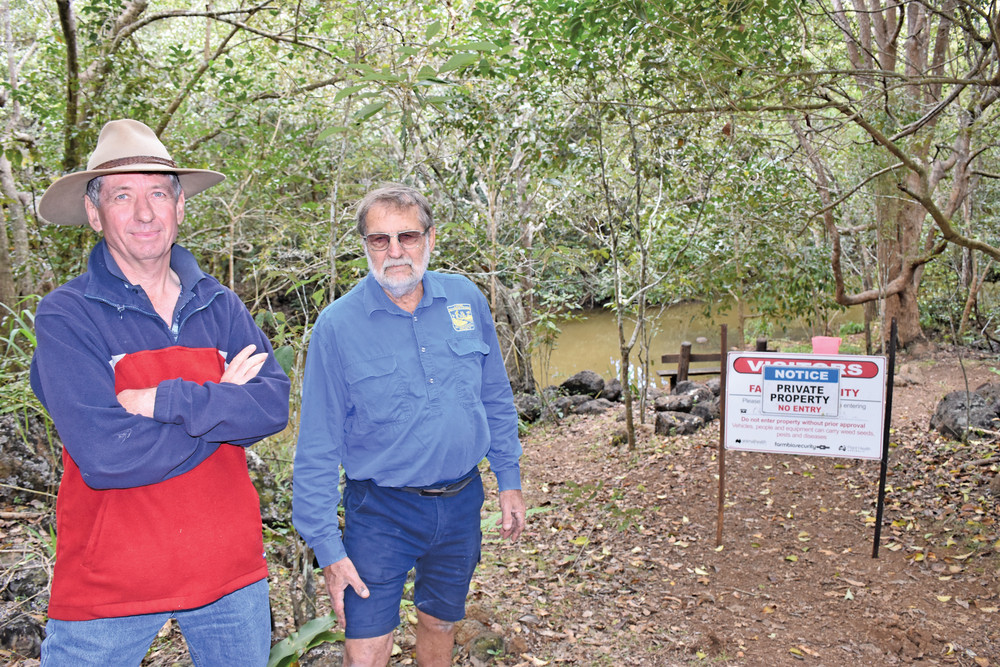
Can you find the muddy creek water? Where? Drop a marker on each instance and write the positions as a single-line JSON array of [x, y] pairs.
[[589, 341]]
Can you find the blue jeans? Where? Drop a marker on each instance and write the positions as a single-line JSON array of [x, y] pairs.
[[234, 630]]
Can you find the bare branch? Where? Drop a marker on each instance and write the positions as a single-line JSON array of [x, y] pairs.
[[881, 139], [850, 193], [943, 223]]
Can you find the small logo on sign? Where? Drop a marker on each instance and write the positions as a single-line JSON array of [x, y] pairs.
[[461, 317]]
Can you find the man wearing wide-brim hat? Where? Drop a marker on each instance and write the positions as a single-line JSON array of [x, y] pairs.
[[156, 378]]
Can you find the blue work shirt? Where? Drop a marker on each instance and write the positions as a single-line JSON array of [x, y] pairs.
[[402, 399]]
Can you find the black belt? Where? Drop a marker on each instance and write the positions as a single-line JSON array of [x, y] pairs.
[[443, 491]]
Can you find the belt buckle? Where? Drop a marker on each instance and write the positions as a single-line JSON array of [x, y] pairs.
[[432, 492]]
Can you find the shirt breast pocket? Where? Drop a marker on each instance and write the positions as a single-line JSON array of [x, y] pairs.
[[468, 368], [377, 391]]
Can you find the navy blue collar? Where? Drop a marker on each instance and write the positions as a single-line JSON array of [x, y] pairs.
[[108, 280]]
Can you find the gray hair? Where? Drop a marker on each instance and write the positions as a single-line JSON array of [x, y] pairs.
[[94, 186], [398, 197]]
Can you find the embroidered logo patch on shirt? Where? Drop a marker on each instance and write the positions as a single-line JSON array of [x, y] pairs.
[[461, 317]]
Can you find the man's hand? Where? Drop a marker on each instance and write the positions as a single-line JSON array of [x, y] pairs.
[[513, 514], [138, 401], [244, 367], [338, 576]]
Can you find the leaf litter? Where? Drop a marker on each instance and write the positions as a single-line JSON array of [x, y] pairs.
[[624, 568]]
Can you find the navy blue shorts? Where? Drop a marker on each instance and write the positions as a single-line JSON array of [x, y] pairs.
[[388, 532]]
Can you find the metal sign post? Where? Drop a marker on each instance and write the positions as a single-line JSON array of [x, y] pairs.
[[885, 440], [722, 442]]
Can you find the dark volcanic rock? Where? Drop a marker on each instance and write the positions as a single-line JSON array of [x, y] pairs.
[[28, 460], [587, 383], [529, 407], [594, 407], [707, 410], [673, 403], [612, 390], [960, 410], [677, 423], [565, 405]]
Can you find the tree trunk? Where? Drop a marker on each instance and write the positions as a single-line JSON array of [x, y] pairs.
[[904, 308], [975, 284], [8, 292], [71, 146], [900, 225], [741, 322], [627, 399], [16, 215]]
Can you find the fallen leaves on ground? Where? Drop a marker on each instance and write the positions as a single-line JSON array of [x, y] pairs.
[[624, 568]]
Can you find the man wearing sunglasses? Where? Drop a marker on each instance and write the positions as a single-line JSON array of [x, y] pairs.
[[404, 387]]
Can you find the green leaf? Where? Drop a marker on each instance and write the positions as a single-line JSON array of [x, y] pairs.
[[361, 67], [285, 356], [369, 110], [407, 51], [458, 61], [330, 131], [426, 73], [382, 76], [432, 30], [481, 46], [14, 156], [317, 631], [349, 90]]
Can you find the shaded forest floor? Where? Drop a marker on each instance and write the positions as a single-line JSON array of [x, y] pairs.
[[620, 566]]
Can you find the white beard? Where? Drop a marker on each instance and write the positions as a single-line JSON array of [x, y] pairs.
[[399, 286]]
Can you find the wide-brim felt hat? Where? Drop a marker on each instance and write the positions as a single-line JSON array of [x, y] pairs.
[[124, 146]]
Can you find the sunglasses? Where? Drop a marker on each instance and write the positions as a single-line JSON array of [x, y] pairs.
[[408, 239]]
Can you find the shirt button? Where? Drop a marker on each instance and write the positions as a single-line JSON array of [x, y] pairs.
[[423, 349], [431, 380]]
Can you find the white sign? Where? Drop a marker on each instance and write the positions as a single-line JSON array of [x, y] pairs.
[[792, 390], [820, 405]]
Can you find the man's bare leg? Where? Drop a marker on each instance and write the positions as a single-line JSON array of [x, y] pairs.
[[370, 652], [435, 641]]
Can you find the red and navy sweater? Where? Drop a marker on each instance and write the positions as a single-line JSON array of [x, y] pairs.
[[153, 514]]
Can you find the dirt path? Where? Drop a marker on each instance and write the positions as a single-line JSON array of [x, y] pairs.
[[621, 567]]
